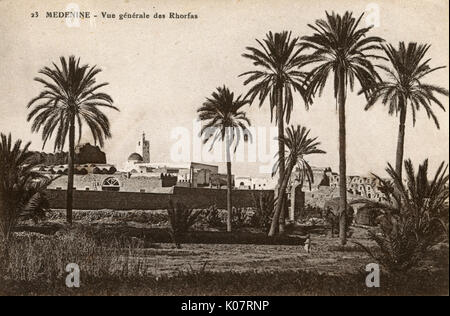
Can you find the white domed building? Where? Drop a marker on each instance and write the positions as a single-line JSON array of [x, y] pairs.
[[135, 158], [140, 158]]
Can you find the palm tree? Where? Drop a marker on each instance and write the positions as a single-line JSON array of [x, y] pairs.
[[340, 47], [299, 145], [224, 120], [278, 60], [21, 189], [405, 86], [69, 99], [413, 215]]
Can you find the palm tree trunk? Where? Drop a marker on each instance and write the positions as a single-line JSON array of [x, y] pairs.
[[229, 185], [278, 218], [342, 161], [70, 160], [401, 139], [280, 204], [282, 221]]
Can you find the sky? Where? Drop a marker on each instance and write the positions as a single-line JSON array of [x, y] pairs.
[[161, 71]]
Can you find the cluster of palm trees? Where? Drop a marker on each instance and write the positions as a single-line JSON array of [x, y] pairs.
[[341, 49], [284, 65]]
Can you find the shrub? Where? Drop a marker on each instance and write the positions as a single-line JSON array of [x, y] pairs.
[[332, 220], [411, 217], [213, 217], [21, 189], [181, 219], [264, 205], [311, 211], [152, 217], [240, 217]]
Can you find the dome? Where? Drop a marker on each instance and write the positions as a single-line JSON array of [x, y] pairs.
[[135, 157]]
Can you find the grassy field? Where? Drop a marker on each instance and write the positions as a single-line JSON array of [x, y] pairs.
[[206, 269], [326, 257]]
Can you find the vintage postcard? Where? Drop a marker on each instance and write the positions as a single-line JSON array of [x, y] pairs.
[[213, 151]]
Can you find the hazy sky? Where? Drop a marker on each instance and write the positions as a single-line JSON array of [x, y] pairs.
[[160, 71]]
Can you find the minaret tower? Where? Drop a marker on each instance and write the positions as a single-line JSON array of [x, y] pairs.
[[143, 149]]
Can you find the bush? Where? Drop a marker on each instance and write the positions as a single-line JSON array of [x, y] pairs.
[[411, 217], [21, 189], [332, 220], [240, 217], [152, 217], [264, 204], [311, 211], [213, 217], [181, 219]]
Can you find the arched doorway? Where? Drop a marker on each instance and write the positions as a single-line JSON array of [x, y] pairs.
[[111, 184]]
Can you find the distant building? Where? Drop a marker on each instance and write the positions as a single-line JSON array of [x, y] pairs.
[[189, 174], [325, 186], [361, 186], [143, 149], [88, 160], [84, 154], [256, 183], [82, 169], [320, 178], [123, 182]]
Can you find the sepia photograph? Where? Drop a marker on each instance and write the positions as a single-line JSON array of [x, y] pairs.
[[228, 155]]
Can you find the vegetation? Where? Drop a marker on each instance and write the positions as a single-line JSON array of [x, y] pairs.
[[21, 189], [405, 86], [212, 217], [205, 283], [414, 214], [278, 77], [43, 259], [69, 99], [411, 218], [264, 205], [37, 268], [181, 219], [298, 146], [341, 47], [241, 217], [225, 121]]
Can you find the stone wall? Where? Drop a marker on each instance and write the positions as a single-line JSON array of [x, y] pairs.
[[95, 200], [126, 183], [191, 197], [204, 197]]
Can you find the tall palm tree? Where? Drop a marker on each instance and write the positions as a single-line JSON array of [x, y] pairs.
[[404, 86], [21, 189], [340, 47], [298, 146], [224, 120], [278, 60], [69, 99]]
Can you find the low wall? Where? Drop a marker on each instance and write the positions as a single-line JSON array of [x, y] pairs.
[[191, 197], [95, 200], [203, 197]]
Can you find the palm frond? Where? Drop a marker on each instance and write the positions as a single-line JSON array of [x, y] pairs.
[[70, 95]]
